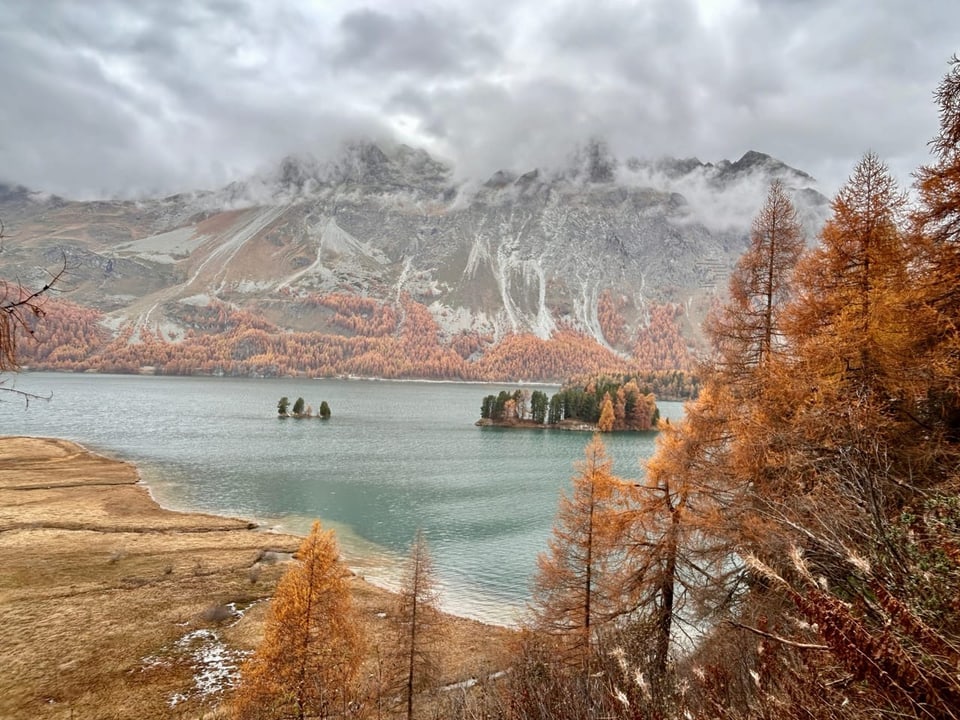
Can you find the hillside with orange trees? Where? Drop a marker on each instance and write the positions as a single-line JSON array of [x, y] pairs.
[[361, 337]]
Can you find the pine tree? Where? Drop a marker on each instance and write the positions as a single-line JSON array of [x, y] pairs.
[[419, 626], [310, 655], [555, 412], [538, 406]]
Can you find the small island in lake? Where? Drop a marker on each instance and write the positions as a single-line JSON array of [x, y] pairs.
[[301, 410], [600, 403]]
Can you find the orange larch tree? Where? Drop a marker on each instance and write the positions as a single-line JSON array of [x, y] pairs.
[[850, 455], [312, 647], [672, 529], [579, 581], [747, 330], [850, 314], [607, 414], [937, 222], [857, 333], [419, 626]]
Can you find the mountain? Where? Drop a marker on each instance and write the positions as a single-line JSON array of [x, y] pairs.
[[601, 250]]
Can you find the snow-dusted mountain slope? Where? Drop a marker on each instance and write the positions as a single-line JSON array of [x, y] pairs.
[[514, 253]]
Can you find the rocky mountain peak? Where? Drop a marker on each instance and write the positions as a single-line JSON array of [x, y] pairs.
[[753, 161]]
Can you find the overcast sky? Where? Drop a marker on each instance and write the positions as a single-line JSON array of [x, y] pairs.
[[104, 97]]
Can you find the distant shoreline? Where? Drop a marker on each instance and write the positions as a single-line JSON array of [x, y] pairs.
[[563, 426], [514, 424], [27, 370]]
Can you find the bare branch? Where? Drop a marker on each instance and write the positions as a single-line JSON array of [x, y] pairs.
[[778, 638], [19, 308]]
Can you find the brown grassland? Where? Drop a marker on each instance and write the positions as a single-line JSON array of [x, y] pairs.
[[101, 590]]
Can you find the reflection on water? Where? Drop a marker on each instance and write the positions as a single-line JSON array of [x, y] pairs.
[[395, 457]]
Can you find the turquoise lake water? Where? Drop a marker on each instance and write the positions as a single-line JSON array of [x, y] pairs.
[[395, 457]]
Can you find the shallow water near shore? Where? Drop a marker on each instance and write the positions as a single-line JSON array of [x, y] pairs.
[[395, 457]]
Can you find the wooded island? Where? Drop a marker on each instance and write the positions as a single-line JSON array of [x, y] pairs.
[[301, 409], [601, 402]]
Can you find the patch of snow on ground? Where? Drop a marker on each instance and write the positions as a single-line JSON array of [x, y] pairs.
[[215, 667], [153, 662], [201, 300], [239, 612], [471, 682]]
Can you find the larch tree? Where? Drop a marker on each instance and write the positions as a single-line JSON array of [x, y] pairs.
[[681, 528], [939, 183], [937, 222], [419, 626], [854, 456], [834, 422], [858, 375], [747, 330], [850, 315], [607, 415], [307, 663], [671, 528], [747, 335], [579, 582]]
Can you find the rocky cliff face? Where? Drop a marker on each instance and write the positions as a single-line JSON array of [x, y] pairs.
[[517, 253]]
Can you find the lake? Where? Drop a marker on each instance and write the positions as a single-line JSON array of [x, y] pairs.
[[395, 457]]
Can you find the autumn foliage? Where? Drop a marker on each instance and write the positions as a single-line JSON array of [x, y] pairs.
[[794, 548], [610, 402], [576, 588], [308, 661], [358, 336]]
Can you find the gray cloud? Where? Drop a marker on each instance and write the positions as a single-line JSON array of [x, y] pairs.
[[434, 45], [131, 97]]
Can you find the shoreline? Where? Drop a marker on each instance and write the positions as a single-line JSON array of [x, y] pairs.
[[112, 602], [377, 566], [562, 426], [382, 576], [356, 562]]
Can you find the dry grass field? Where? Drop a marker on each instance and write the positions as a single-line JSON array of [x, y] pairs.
[[112, 607]]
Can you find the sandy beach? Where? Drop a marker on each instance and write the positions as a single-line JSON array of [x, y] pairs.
[[113, 607]]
